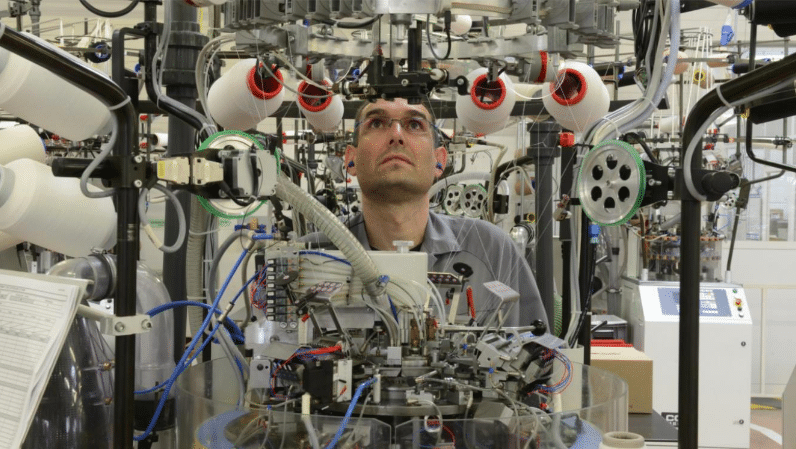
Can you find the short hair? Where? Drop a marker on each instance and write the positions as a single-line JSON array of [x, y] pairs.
[[424, 101]]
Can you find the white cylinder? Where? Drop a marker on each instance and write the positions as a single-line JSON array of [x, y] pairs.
[[680, 66], [52, 212], [461, 24], [240, 99], [487, 108], [669, 124], [622, 440], [8, 241], [578, 97], [35, 94], [323, 114], [21, 142]]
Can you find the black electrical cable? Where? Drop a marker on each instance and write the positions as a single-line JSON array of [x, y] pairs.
[[447, 32], [351, 26], [109, 14]]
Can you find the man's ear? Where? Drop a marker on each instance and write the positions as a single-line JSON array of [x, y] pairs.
[[441, 157], [348, 163]]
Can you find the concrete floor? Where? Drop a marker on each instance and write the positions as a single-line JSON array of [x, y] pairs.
[[770, 420]]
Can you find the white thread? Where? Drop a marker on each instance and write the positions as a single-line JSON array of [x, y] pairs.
[[113, 108]]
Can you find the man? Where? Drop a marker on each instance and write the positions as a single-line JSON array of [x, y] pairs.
[[396, 158]]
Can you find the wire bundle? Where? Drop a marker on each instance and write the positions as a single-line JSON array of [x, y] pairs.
[[566, 378]]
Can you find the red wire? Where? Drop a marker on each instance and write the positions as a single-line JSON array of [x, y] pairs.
[[318, 351], [470, 302]]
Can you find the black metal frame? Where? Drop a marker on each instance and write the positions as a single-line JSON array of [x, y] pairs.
[[126, 196]]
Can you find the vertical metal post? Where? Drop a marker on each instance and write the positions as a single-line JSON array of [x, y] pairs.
[[185, 43], [543, 141]]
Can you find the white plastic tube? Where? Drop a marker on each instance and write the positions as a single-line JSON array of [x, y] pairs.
[[323, 114], [241, 99], [51, 212], [21, 142], [335, 230], [39, 96], [578, 97], [488, 107]]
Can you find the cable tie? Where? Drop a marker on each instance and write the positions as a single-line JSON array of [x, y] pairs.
[[721, 97], [113, 108]]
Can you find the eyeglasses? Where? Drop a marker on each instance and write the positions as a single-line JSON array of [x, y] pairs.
[[413, 125]]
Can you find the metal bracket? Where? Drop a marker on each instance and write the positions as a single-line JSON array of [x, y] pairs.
[[117, 326]]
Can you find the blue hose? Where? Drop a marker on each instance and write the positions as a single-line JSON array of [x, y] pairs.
[[350, 410]]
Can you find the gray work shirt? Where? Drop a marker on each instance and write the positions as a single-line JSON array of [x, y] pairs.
[[485, 248]]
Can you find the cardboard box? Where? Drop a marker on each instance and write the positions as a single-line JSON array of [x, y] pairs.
[[634, 367]]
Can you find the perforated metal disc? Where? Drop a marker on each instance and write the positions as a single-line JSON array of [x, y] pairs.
[[473, 200], [611, 182], [451, 204]]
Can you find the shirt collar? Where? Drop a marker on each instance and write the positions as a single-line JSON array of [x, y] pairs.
[[439, 238]]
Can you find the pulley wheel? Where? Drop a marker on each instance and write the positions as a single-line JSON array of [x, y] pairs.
[[611, 183], [451, 204], [473, 200]]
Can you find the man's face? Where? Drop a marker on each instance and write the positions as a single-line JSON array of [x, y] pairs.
[[395, 156]]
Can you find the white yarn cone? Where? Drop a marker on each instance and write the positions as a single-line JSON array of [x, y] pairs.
[[680, 66], [323, 114], [461, 24], [487, 108], [52, 212], [8, 241], [21, 142], [578, 97], [39, 96], [240, 99]]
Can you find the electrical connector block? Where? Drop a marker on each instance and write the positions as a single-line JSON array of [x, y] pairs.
[[176, 170], [205, 171]]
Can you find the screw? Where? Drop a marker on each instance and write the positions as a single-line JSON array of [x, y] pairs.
[[740, 422], [460, 81], [654, 182], [138, 159], [146, 324], [404, 82], [260, 367], [743, 343], [138, 183], [119, 327]]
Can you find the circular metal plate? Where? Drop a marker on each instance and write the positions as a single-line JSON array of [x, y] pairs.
[[451, 204], [473, 200], [611, 183]]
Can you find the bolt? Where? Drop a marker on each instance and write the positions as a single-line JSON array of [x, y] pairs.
[[460, 81], [146, 324], [654, 182], [138, 159], [404, 82], [119, 327], [138, 183]]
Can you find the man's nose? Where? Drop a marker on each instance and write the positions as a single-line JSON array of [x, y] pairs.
[[396, 132]]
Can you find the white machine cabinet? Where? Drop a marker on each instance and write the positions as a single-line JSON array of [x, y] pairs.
[[652, 310]]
